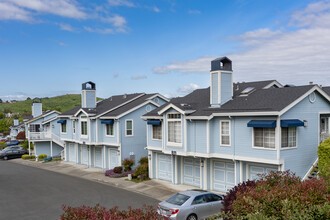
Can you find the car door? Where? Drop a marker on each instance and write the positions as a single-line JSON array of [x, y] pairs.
[[9, 154], [215, 202], [200, 206]]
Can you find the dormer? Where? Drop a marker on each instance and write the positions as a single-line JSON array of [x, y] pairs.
[[221, 77], [88, 95]]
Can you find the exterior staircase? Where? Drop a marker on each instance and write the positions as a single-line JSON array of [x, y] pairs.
[[313, 171]]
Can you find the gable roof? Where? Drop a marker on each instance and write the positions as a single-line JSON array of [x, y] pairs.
[[44, 114], [113, 106], [326, 90], [262, 99]]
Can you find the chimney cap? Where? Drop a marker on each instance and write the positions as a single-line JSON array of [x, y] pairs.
[[88, 86], [221, 63], [36, 100]]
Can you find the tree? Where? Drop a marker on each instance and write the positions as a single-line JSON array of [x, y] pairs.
[[21, 136], [0, 100], [2, 116], [28, 98]]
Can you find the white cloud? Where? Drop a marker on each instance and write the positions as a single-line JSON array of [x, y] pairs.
[[64, 8], [66, 27], [297, 56], [9, 11], [156, 9], [115, 75], [189, 88], [194, 12], [62, 44], [121, 3], [99, 31], [116, 20], [137, 77]]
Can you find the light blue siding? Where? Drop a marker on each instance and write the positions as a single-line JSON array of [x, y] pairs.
[[90, 99], [299, 160], [42, 148], [57, 149], [215, 89], [226, 87], [153, 142], [196, 134], [159, 100]]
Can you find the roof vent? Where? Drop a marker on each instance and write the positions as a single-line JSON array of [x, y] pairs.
[[310, 83], [184, 104], [124, 96], [247, 91], [237, 88]]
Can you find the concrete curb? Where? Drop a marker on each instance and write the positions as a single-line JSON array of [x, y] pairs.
[[156, 189]]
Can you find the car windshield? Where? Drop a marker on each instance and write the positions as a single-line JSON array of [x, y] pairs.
[[178, 199]]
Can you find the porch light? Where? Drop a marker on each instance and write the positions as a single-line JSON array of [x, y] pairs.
[[202, 163], [305, 123], [149, 156]]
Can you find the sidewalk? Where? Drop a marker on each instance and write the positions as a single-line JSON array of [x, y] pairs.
[[156, 189]]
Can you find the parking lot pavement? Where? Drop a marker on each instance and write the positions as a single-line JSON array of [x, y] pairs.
[[28, 192]]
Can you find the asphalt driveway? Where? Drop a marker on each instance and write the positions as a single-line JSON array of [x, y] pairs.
[[32, 193]]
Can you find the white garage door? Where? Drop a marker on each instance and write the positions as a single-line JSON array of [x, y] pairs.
[[113, 158], [191, 171], [98, 157], [223, 176], [84, 155], [72, 153], [254, 170], [164, 167]]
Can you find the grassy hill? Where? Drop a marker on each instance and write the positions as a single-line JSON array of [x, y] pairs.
[[61, 103]]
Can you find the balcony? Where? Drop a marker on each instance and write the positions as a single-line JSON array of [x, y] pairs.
[[40, 136]]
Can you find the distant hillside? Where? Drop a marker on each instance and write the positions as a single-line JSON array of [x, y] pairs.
[[61, 103]]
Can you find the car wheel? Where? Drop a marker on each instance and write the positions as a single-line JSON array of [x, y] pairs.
[[192, 217], [5, 158]]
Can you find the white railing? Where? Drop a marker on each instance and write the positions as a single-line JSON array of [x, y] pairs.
[[63, 155], [40, 136], [57, 139]]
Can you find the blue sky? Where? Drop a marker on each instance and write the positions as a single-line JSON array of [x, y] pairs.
[[50, 47]]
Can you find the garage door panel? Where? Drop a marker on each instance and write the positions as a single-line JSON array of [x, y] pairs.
[[255, 170], [191, 171], [164, 167], [188, 170], [84, 155], [223, 175], [113, 158], [72, 157]]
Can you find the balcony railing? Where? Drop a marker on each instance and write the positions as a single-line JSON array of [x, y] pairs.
[[40, 136]]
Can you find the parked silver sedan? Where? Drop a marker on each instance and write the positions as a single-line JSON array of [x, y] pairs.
[[191, 205]]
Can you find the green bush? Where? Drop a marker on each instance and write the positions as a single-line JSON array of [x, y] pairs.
[[42, 156], [282, 195], [25, 144], [324, 159], [128, 163], [142, 171], [118, 170], [143, 160], [28, 157]]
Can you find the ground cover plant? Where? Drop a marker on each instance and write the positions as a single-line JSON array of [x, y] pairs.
[[113, 174], [101, 213]]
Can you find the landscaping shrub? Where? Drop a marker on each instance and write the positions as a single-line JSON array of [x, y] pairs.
[[230, 197], [111, 173], [142, 171], [28, 157], [282, 195], [128, 163], [118, 169], [101, 213], [143, 160], [324, 159], [42, 156]]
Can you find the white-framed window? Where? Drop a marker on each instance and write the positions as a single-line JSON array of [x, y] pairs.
[[289, 137], [129, 127], [264, 138], [109, 130], [174, 134], [74, 126], [83, 124], [156, 132], [34, 128], [63, 127], [225, 132]]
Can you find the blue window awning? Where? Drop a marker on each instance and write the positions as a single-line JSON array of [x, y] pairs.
[[107, 122], [61, 121], [262, 124], [291, 123], [154, 122]]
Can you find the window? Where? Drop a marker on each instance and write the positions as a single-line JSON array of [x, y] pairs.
[[63, 127], [264, 137], [289, 137], [199, 200], [34, 128], [213, 198], [74, 126], [174, 128], [109, 129], [129, 127], [84, 128], [225, 133], [157, 132], [178, 199]]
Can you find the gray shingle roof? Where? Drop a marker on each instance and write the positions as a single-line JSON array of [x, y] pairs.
[[326, 89], [260, 100], [102, 107]]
